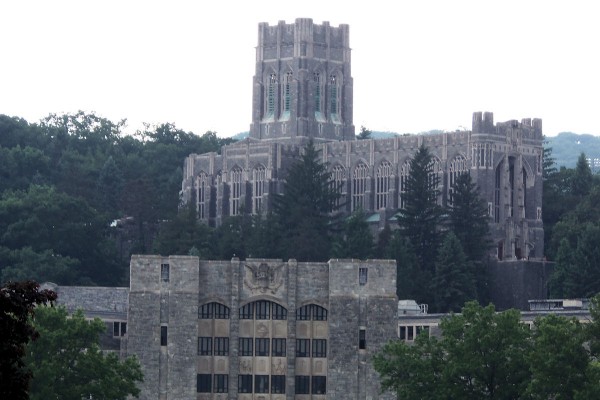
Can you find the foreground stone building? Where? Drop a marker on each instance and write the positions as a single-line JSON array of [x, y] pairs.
[[259, 329], [303, 90]]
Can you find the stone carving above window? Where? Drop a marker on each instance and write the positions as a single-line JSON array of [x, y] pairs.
[[262, 278]]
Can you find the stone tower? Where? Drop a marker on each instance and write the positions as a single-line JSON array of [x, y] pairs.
[[303, 83]]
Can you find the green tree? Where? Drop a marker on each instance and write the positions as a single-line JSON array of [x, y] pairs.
[[18, 301], [364, 133], [304, 209], [481, 354], [582, 179], [355, 240], [67, 362], [454, 281], [558, 359], [410, 279], [109, 187]]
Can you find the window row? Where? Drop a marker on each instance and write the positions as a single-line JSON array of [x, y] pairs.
[[311, 384], [410, 332], [263, 310], [262, 384], [206, 348], [319, 348], [261, 346], [207, 383]]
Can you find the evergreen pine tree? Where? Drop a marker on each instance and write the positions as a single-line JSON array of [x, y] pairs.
[[304, 209], [356, 240]]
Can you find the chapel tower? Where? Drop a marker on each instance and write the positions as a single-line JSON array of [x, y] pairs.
[[303, 84]]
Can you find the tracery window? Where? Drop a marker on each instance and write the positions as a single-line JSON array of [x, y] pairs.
[[334, 97], [359, 186], [235, 178], [435, 178], [213, 310], [481, 155], [287, 93], [338, 179], [270, 98], [202, 190], [382, 185], [259, 176], [458, 166], [404, 174], [318, 93]]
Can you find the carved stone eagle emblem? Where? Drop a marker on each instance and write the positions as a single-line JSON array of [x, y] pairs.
[[263, 277]]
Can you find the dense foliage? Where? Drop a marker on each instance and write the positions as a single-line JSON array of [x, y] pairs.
[[67, 362], [483, 354], [18, 301], [65, 179]]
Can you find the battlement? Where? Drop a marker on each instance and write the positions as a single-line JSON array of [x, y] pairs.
[[484, 123], [303, 30]]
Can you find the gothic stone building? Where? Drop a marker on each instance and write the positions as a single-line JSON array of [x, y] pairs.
[[259, 329], [303, 90]]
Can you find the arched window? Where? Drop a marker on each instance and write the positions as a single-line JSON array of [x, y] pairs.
[[338, 179], [359, 186], [213, 310], [202, 194], [457, 167], [235, 179], [334, 97], [382, 185], [497, 191], [318, 93], [263, 309], [271, 85], [287, 94], [435, 178], [259, 177], [311, 312], [404, 174]]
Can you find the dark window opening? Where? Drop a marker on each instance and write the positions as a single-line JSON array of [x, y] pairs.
[[221, 383], [244, 383], [362, 276], [278, 347], [262, 309], [262, 347], [319, 348], [213, 310], [362, 339], [221, 346], [246, 346], [203, 383], [302, 347], [164, 272], [205, 346], [261, 383], [247, 312], [163, 335], [302, 385], [279, 312], [278, 384], [319, 385]]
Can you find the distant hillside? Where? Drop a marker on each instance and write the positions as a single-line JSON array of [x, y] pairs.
[[567, 146]]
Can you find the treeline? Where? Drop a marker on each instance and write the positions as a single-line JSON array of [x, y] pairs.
[[482, 354], [64, 179]]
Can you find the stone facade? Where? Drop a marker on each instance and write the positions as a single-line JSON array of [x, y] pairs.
[[292, 104], [260, 329]]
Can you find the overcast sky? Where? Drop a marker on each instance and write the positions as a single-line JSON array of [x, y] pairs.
[[417, 65]]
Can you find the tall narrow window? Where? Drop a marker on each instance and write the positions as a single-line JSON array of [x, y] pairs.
[[338, 180], [221, 384], [203, 191], [404, 174], [271, 89], [236, 190], [164, 272], [163, 335], [435, 178], [317, 83], [205, 346], [302, 347], [382, 185], [359, 186], [362, 339], [287, 93], [458, 166], [261, 347], [334, 100], [259, 176], [246, 347], [278, 348], [497, 187], [363, 276], [221, 346]]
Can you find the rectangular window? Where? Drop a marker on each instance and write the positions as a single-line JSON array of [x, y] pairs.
[[362, 339], [319, 385], [262, 347], [164, 272], [402, 333], [261, 383], [119, 329], [205, 346], [203, 383], [302, 384], [262, 310], [247, 312], [362, 276], [163, 335], [302, 347], [244, 383], [221, 383], [246, 346], [278, 347], [221, 346], [278, 384], [319, 348]]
